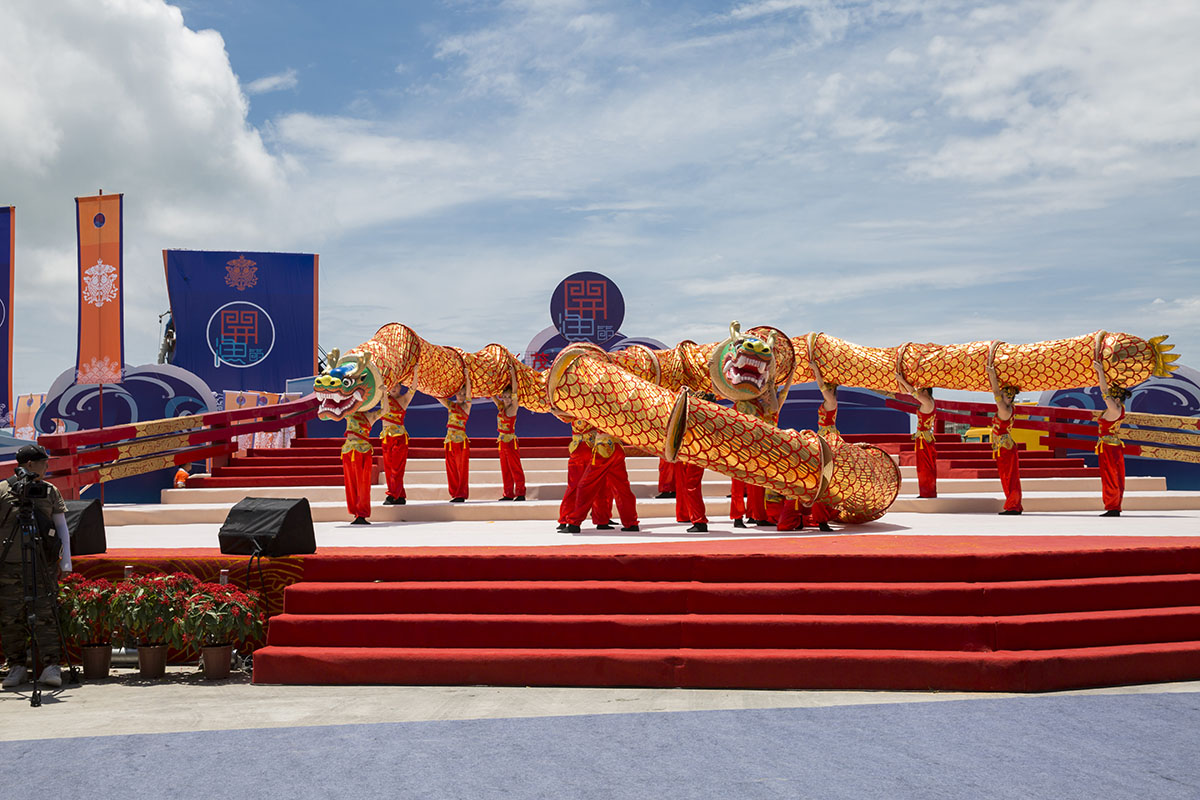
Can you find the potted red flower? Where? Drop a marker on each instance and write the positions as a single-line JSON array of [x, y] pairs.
[[149, 608], [218, 617], [86, 608]]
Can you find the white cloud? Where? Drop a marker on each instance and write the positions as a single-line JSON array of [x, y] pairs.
[[1096, 88], [288, 79], [160, 118]]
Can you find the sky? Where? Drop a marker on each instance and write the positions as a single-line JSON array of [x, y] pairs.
[[889, 171]]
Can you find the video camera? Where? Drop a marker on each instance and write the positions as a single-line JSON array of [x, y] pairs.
[[27, 485]]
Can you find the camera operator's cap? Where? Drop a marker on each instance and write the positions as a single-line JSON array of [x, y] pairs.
[[31, 452]]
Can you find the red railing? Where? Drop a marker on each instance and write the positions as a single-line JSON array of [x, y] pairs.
[[81, 458], [1150, 435]]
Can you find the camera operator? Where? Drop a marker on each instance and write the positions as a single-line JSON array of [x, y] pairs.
[[50, 512]]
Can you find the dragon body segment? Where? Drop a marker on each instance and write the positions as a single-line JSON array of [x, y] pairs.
[[647, 398]]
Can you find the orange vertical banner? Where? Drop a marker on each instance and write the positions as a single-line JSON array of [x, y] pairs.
[[101, 299]]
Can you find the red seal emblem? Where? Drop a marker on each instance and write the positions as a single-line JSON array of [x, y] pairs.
[[241, 273]]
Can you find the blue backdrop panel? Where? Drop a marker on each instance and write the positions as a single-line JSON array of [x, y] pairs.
[[243, 320]]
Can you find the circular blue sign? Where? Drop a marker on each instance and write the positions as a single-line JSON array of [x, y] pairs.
[[98, 220], [587, 307], [240, 334]]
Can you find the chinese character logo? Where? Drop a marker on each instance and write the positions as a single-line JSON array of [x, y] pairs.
[[100, 284], [240, 335], [587, 306], [241, 273]]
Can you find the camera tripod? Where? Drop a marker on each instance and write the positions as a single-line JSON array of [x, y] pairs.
[[35, 583]]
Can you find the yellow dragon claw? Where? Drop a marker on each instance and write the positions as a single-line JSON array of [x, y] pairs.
[[1163, 366]]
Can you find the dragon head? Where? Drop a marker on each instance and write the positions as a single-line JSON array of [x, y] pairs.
[[347, 385], [743, 366]]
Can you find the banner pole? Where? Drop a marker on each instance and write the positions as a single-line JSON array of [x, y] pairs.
[[101, 428]]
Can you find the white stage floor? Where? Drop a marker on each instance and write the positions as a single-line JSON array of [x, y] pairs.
[[535, 533]]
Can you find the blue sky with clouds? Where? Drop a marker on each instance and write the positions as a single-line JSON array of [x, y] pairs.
[[889, 171]]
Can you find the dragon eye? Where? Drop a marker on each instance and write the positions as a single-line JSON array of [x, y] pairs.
[[347, 382]]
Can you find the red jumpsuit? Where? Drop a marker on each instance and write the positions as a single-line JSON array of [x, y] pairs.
[[737, 498], [792, 515], [510, 455], [607, 470], [581, 455], [1111, 452], [926, 451], [666, 476], [395, 451], [1004, 450], [357, 461], [458, 451], [689, 497], [756, 505]]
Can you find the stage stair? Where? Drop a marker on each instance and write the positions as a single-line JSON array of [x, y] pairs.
[[946, 613]]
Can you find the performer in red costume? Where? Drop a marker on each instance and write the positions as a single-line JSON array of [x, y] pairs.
[[580, 450], [924, 440], [689, 497], [395, 441], [792, 514], [666, 479], [458, 445], [1110, 450], [358, 458], [737, 502], [607, 469], [1004, 449], [765, 407], [511, 472]]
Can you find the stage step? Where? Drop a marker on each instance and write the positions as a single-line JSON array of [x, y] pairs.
[[915, 670], [698, 597], [986, 618]]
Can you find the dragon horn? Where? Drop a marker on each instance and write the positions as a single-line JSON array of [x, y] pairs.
[[335, 355], [363, 361], [771, 341], [735, 328]]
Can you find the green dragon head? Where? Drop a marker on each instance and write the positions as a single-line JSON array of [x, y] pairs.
[[347, 385], [743, 366]]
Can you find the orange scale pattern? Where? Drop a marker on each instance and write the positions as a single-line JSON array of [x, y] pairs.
[[864, 482]]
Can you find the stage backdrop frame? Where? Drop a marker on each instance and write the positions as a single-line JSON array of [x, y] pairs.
[[244, 320]]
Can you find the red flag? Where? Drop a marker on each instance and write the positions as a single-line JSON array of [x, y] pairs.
[[101, 300]]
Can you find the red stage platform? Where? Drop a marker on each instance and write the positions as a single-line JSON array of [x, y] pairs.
[[981, 613]]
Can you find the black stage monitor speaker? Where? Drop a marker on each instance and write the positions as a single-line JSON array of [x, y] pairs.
[[269, 526], [85, 521]]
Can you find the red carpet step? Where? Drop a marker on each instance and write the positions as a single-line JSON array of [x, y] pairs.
[[867, 612]]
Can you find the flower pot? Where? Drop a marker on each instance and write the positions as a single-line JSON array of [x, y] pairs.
[[152, 660], [97, 659], [216, 661]]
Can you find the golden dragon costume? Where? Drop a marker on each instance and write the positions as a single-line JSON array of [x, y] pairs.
[[646, 398]]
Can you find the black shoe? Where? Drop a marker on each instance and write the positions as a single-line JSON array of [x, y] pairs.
[[401, 501], [633, 528], [605, 527], [664, 495], [737, 523], [699, 527], [572, 529], [1012, 512], [520, 498], [562, 527], [824, 526], [360, 521], [389, 501], [760, 522], [458, 500], [1115, 512], [506, 498]]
